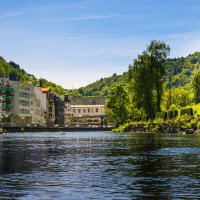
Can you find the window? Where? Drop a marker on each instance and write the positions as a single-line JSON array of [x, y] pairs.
[[97, 110], [84, 110], [88, 110], [74, 110], [24, 103], [25, 111], [79, 110]]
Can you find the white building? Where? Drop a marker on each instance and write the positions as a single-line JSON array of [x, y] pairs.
[[40, 99], [87, 110], [83, 107], [27, 108]]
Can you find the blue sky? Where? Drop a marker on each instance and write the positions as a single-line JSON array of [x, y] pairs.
[[76, 42]]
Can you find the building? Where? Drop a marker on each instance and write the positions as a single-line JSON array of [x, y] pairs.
[[59, 110], [68, 114], [50, 107], [83, 107], [27, 109], [6, 100], [41, 97]]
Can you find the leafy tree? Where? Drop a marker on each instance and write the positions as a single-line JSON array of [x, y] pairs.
[[116, 104], [141, 83], [196, 86], [158, 52]]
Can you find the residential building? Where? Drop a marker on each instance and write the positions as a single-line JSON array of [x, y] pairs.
[[39, 95], [6, 100], [26, 104], [68, 114], [59, 110], [50, 107]]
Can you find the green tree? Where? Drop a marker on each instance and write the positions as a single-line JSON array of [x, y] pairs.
[[158, 52], [141, 84], [116, 104], [196, 86]]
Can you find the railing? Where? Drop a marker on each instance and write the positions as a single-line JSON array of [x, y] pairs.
[[2, 88], [9, 105], [10, 98]]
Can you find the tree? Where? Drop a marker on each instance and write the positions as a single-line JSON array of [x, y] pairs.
[[158, 52], [141, 84], [116, 104], [196, 86]]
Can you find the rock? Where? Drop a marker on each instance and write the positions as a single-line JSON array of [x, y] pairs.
[[182, 132], [197, 132], [189, 131]]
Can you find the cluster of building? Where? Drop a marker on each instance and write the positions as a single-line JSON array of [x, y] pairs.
[[24, 104]]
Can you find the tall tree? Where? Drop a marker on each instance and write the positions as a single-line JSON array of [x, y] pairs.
[[196, 86], [158, 52], [141, 81], [116, 104]]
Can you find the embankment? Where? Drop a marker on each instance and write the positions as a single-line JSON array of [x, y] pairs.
[[50, 129]]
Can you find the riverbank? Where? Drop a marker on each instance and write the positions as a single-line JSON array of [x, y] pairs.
[[178, 126], [50, 129]]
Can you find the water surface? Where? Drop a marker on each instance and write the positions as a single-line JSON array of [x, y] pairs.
[[99, 165]]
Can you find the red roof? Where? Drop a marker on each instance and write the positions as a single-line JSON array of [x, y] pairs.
[[44, 89]]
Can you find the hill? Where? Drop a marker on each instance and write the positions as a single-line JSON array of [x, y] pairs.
[[16, 73], [180, 70]]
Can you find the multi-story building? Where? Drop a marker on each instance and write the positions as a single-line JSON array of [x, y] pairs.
[[6, 100], [50, 107], [87, 106], [59, 110], [80, 107], [68, 114], [23, 101], [26, 104], [41, 97]]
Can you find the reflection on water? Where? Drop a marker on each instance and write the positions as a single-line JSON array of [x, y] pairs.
[[98, 165]]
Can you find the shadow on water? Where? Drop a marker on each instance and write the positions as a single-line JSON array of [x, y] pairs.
[[99, 166]]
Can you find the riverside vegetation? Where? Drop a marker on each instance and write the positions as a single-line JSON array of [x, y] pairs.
[[158, 95]]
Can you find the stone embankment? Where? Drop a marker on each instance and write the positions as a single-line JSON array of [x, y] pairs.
[[165, 127]]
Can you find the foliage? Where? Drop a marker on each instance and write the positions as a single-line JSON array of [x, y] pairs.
[[55, 88], [196, 86], [116, 104], [100, 87], [15, 73], [146, 77]]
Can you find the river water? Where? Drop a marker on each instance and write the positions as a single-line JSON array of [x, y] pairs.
[[99, 165]]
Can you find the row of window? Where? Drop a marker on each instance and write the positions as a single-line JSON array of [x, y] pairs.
[[25, 111], [24, 94], [24, 103], [84, 110], [24, 87]]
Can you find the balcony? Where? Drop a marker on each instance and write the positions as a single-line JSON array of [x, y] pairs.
[[9, 98], [3, 96], [9, 89], [4, 105], [2, 88], [10, 106]]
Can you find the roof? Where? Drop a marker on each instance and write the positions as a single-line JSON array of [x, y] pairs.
[[44, 89]]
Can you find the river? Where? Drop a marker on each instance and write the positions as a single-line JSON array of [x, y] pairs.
[[99, 165]]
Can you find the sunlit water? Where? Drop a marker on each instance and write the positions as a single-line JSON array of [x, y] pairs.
[[99, 165]]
